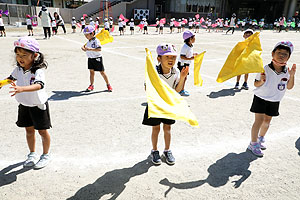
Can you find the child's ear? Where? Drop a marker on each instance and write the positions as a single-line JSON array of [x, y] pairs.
[[273, 53], [158, 58]]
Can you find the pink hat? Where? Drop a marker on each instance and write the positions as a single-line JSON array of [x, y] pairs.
[[88, 29], [166, 49], [286, 44], [27, 43], [187, 34]]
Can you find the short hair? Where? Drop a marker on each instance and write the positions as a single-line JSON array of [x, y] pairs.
[[282, 47]]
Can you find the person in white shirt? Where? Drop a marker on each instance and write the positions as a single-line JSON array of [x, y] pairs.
[[59, 22], [54, 26], [179, 26], [243, 24], [73, 24], [171, 25], [29, 91], [46, 21], [92, 23], [29, 25], [190, 24], [95, 61], [270, 89], [121, 28], [2, 29], [111, 22], [145, 26], [106, 24], [131, 24], [232, 23], [157, 24], [82, 23], [161, 27]]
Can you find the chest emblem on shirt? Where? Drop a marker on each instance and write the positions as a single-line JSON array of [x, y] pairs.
[[282, 84], [32, 80]]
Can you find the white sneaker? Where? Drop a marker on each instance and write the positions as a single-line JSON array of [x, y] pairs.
[[31, 160], [43, 162]]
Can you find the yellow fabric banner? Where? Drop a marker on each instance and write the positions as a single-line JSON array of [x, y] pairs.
[[5, 82], [198, 81], [104, 37], [244, 58], [164, 101]]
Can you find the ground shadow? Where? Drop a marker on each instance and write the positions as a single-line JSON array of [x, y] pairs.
[[7, 177], [297, 145], [144, 104], [113, 182], [224, 93], [219, 173], [64, 95]]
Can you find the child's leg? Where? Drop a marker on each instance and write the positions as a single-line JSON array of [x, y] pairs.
[[154, 136], [45, 140], [167, 135], [259, 118], [246, 77], [92, 75], [104, 77], [30, 137], [265, 125]]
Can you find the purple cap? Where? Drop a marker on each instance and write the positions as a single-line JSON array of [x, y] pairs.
[[187, 34], [28, 43], [88, 29], [166, 49], [287, 44]]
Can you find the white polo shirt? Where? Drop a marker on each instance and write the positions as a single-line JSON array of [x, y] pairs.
[[186, 51], [131, 24], [275, 86], [73, 22], [1, 22], [172, 78], [106, 25], [26, 78], [28, 22], [94, 44]]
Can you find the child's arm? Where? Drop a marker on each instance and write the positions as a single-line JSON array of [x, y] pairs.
[[186, 58], [184, 72], [93, 49], [19, 89], [260, 82], [291, 81]]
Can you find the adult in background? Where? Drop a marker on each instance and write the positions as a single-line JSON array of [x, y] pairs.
[[232, 23], [46, 21], [59, 21]]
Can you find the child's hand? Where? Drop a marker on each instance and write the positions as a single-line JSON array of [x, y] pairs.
[[83, 48], [16, 89], [263, 77], [293, 70], [184, 72]]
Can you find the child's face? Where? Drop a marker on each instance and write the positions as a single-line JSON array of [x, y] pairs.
[[24, 58], [281, 55], [167, 61], [193, 39], [89, 36], [247, 34]]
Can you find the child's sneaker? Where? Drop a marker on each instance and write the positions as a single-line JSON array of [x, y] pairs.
[[169, 157], [90, 88], [245, 86], [184, 93], [261, 140], [109, 88], [156, 160], [31, 160], [43, 162], [237, 85], [255, 149]]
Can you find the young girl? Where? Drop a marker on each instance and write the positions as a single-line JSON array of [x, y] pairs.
[[121, 28], [29, 25], [54, 26], [171, 25], [145, 26], [2, 29], [270, 89], [111, 22], [166, 70], [179, 26], [33, 113], [186, 56], [73, 23], [92, 23], [95, 62], [82, 22], [131, 24], [106, 24], [161, 27], [157, 24]]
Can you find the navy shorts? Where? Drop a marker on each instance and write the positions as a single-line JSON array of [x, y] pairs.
[[96, 64], [262, 106], [155, 121], [34, 116]]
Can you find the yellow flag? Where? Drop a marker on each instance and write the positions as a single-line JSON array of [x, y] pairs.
[[244, 58], [164, 101], [104, 37], [198, 81], [5, 82]]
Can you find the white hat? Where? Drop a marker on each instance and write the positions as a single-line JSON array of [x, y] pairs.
[[249, 30], [91, 19], [286, 44]]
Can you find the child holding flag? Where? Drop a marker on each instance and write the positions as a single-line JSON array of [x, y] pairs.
[[175, 79], [29, 25], [270, 89], [95, 62], [33, 112]]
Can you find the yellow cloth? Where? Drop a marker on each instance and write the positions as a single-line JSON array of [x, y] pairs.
[[104, 37], [164, 101], [244, 58], [198, 81], [5, 82]]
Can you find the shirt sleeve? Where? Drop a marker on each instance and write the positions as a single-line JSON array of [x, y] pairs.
[[98, 44], [257, 77], [13, 75], [40, 78], [183, 51]]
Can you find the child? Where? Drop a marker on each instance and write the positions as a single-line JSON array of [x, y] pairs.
[[270, 89], [2, 29], [73, 23], [161, 27], [171, 25], [106, 24], [29, 25], [145, 26], [179, 26], [186, 56], [298, 27], [243, 24], [97, 24], [197, 26], [92, 22], [131, 24], [82, 22], [121, 28], [95, 62], [190, 24], [33, 113], [157, 24], [166, 70], [247, 34], [111, 22], [209, 25], [54, 26]]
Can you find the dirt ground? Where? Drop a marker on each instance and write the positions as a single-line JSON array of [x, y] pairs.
[[100, 148]]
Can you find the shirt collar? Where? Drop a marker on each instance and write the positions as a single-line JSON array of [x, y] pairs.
[[283, 69]]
